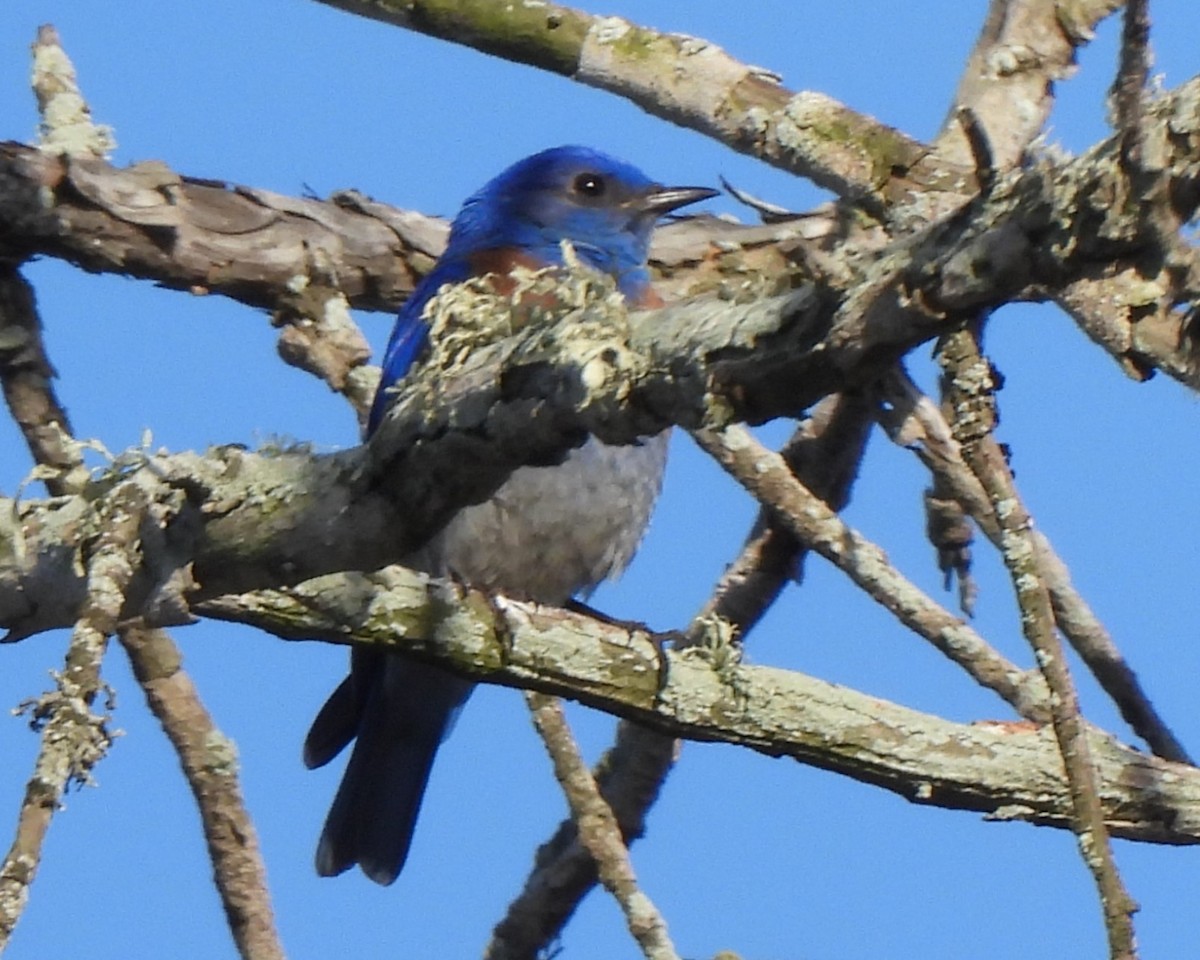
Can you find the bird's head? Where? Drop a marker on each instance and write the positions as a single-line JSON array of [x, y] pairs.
[[605, 207]]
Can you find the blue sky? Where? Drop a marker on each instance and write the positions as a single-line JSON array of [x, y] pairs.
[[765, 857]]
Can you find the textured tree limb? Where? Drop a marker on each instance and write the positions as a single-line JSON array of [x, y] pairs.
[[1024, 48], [66, 127], [709, 361], [209, 762], [1045, 228], [74, 739], [630, 775], [1133, 74], [970, 391], [270, 251], [692, 83], [765, 476], [825, 454], [917, 423], [1010, 771], [598, 829], [25, 373]]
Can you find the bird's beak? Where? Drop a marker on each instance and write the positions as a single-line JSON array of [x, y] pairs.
[[662, 200]]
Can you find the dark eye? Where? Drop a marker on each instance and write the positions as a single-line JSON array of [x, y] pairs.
[[590, 185]]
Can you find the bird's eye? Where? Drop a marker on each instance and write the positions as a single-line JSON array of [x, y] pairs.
[[590, 185]]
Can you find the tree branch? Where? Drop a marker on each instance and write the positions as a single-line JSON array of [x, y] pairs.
[[765, 476], [970, 392], [825, 454], [74, 739], [692, 83], [257, 521], [266, 249], [916, 423], [209, 761], [1023, 50], [1010, 771], [598, 829]]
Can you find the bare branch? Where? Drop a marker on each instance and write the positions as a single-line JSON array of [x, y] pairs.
[[825, 454], [66, 128], [630, 775], [74, 739], [970, 390], [1043, 229], [764, 475], [1011, 771], [25, 376], [209, 761], [692, 83], [1023, 50], [25, 373], [1133, 74], [267, 250], [918, 425], [598, 829]]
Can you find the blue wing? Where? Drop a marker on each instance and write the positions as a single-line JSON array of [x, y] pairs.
[[411, 333]]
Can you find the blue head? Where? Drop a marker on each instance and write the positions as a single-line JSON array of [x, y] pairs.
[[605, 207]]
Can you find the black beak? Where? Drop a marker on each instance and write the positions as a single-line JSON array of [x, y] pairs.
[[662, 200]]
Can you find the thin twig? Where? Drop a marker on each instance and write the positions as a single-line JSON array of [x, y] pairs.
[[598, 829], [825, 453], [209, 761], [1133, 71], [914, 421], [981, 149], [25, 377], [970, 386], [319, 335], [764, 475], [74, 739]]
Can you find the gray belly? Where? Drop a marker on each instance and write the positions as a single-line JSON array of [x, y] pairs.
[[550, 533]]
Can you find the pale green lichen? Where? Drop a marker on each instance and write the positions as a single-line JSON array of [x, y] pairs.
[[221, 755], [571, 306], [66, 127]]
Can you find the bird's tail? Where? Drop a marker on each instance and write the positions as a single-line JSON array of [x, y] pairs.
[[400, 710]]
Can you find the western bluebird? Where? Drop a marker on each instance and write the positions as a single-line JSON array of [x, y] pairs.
[[547, 534]]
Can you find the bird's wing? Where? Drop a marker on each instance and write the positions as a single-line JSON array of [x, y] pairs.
[[411, 332]]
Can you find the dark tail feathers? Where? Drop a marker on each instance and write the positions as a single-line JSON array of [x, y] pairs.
[[399, 710]]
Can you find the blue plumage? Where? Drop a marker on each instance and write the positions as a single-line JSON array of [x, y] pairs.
[[547, 534]]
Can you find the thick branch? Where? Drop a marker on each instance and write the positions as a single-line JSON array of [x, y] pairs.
[[254, 521], [1010, 771], [260, 248], [692, 83]]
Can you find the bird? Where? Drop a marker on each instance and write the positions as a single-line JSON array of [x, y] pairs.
[[549, 534]]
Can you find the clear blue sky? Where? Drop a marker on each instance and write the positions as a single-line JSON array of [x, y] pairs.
[[765, 857]]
